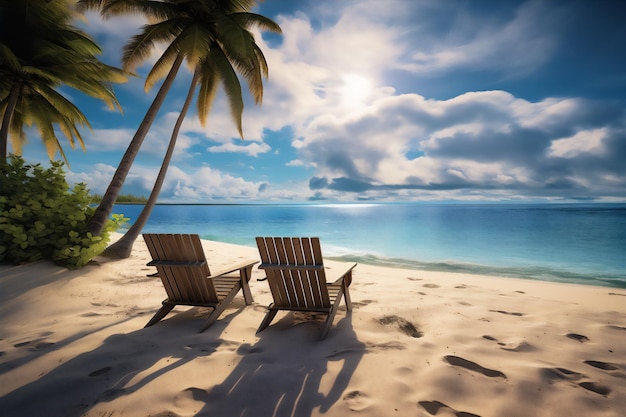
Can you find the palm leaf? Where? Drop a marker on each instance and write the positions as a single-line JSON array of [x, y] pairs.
[[140, 46], [209, 81], [231, 85]]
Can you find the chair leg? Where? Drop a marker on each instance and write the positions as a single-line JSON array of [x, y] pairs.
[[163, 311], [331, 314], [244, 275], [219, 309], [271, 313], [346, 296]]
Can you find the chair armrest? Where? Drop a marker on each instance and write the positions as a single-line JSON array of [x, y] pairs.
[[346, 276], [236, 267]]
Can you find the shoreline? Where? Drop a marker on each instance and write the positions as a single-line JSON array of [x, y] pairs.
[[542, 274], [440, 343]]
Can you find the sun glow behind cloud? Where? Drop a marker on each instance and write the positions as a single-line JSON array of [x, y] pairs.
[[355, 90]]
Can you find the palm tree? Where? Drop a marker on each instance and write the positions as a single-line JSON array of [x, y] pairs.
[[124, 246], [216, 44], [192, 30], [41, 51]]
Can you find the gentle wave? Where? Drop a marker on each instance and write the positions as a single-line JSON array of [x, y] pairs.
[[534, 273], [343, 254]]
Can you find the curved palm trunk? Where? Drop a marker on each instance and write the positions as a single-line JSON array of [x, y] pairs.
[[6, 120], [123, 247], [100, 217]]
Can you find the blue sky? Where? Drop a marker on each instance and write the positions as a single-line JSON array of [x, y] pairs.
[[392, 100]]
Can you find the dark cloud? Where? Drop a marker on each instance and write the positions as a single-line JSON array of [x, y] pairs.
[[522, 146], [317, 183]]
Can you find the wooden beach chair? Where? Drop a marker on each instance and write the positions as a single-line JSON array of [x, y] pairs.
[[184, 271], [295, 272]]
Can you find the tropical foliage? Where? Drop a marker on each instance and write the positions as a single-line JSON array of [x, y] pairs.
[[40, 51], [41, 217]]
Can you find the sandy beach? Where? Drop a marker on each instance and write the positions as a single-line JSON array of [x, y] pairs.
[[417, 343]]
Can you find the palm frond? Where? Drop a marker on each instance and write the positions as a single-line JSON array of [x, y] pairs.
[[248, 20], [209, 81], [8, 59], [194, 43], [162, 66], [231, 85], [140, 46]]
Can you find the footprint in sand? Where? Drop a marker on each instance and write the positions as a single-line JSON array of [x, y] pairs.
[[433, 408], [431, 286], [562, 374], [402, 324], [34, 347], [100, 371], [595, 387], [507, 313], [473, 366], [578, 337], [557, 374], [357, 400], [602, 365], [41, 346]]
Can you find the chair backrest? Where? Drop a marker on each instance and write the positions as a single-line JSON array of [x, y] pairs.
[[295, 271], [182, 267]]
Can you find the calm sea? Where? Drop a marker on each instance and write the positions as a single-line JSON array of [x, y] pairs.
[[579, 243]]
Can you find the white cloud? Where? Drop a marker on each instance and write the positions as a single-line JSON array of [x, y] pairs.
[[584, 142], [206, 184], [97, 179], [474, 140], [253, 149]]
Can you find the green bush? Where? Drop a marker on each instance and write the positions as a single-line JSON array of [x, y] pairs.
[[42, 218]]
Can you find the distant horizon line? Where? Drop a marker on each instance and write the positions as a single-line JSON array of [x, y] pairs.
[[337, 203]]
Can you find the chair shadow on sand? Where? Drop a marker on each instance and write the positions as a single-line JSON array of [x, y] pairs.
[[283, 373], [120, 366]]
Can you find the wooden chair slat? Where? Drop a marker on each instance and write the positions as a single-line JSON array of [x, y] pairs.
[[296, 276], [181, 264]]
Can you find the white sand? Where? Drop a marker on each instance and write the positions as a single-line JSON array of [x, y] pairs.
[[416, 344]]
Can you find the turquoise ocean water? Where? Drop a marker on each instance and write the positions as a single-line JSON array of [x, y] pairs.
[[579, 243]]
